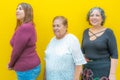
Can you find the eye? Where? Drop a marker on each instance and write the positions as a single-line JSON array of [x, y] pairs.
[[97, 15], [91, 15], [58, 25], [53, 25], [20, 8]]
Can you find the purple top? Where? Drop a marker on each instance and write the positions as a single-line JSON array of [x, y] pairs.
[[23, 42]]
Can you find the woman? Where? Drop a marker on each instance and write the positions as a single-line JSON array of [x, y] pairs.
[[100, 48], [24, 59], [64, 58]]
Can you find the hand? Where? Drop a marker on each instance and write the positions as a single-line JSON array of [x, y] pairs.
[[76, 78], [44, 78], [10, 68], [87, 59], [112, 76]]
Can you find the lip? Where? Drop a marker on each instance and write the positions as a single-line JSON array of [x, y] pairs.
[[17, 13], [94, 21]]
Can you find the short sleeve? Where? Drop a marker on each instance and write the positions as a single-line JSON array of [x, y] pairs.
[[76, 52], [112, 45]]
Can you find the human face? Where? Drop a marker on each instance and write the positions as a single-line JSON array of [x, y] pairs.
[[95, 18], [20, 14], [59, 29]]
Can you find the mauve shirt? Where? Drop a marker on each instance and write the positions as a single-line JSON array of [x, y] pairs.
[[23, 42]]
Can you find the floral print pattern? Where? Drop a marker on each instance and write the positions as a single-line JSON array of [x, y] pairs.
[[104, 78], [88, 75]]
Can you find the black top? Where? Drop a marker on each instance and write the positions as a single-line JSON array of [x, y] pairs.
[[103, 46]]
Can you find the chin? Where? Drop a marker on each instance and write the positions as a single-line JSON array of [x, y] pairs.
[[94, 24], [18, 18], [58, 37]]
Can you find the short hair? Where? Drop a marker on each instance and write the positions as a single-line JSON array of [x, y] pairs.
[[101, 12], [28, 13], [64, 20]]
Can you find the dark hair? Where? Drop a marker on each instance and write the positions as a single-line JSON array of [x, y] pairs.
[[64, 20], [28, 14], [101, 12]]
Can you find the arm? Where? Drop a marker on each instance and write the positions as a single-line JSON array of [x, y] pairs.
[[20, 41], [113, 69], [78, 71], [82, 48], [78, 57], [44, 77], [112, 46]]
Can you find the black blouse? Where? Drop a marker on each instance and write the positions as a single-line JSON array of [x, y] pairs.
[[103, 46]]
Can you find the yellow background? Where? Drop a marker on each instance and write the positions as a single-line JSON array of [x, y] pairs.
[[44, 11]]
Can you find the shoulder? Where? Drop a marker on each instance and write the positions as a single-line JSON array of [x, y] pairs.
[[71, 37], [86, 30], [52, 40], [109, 30], [27, 27]]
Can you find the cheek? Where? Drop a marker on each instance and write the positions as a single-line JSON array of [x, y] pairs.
[[90, 19], [101, 19], [18, 16], [64, 30], [23, 15]]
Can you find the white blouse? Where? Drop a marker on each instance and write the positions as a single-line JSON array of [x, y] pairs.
[[61, 57]]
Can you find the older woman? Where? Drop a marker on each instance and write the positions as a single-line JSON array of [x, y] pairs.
[[64, 58], [99, 47], [24, 59]]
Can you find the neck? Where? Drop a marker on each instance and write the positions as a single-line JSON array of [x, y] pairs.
[[97, 27], [62, 36]]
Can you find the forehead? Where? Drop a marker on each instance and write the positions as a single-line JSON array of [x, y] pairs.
[[97, 11], [20, 6], [58, 21]]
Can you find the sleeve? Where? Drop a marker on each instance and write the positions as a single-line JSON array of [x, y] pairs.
[[46, 51], [112, 45], [83, 50], [20, 41], [76, 52]]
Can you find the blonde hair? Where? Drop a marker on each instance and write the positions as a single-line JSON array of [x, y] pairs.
[[64, 20]]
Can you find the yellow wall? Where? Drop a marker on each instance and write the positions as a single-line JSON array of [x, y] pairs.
[[44, 11]]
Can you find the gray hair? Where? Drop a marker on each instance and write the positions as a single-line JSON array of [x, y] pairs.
[[101, 12]]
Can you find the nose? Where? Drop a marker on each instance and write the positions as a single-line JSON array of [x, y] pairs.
[[55, 27], [94, 17], [17, 10]]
